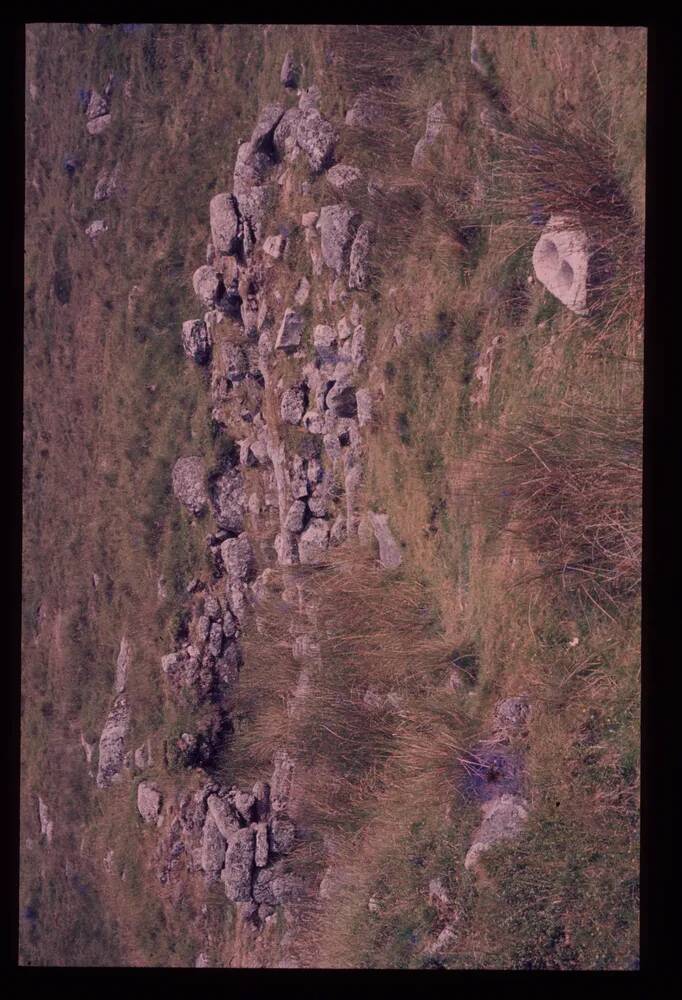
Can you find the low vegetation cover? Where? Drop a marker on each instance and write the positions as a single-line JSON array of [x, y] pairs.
[[484, 653]]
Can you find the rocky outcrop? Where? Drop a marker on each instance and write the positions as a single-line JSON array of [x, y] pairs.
[[122, 665], [316, 137], [290, 331], [343, 177], [239, 865], [337, 225], [148, 802], [189, 484], [289, 74], [196, 341], [112, 743]]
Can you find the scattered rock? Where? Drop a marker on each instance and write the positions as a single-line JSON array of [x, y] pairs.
[[435, 121], [308, 219], [284, 138], [365, 111], [512, 713], [229, 499], [239, 862], [282, 779], [341, 398], [189, 483], [96, 228], [504, 818], [313, 542], [295, 518], [98, 125], [148, 802], [143, 756], [213, 846], [46, 824], [288, 76], [337, 225], [263, 132], [316, 137], [282, 835], [112, 743], [196, 341], [122, 665], [262, 850], [292, 406], [358, 275], [390, 555], [302, 291], [274, 885], [223, 815], [344, 177], [290, 331], [560, 261], [274, 246], [224, 221], [363, 399], [107, 183], [238, 557]]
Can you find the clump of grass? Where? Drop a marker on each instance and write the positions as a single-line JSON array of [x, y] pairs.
[[543, 168], [571, 489]]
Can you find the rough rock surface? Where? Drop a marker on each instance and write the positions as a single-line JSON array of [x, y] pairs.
[[122, 666], [96, 229], [390, 555], [213, 846], [239, 864], [238, 557], [358, 275], [365, 111], [290, 331], [229, 500], [148, 802], [435, 121], [313, 541], [196, 341], [292, 406], [343, 177], [337, 226], [224, 221], [561, 260], [112, 743], [503, 818], [46, 824], [316, 137], [189, 483]]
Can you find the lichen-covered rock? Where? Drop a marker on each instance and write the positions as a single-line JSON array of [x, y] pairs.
[[282, 835], [206, 284], [274, 246], [316, 137], [324, 336], [337, 225], [223, 815], [239, 863], [292, 406], [148, 802], [274, 885], [238, 557], [343, 177], [189, 483], [295, 518], [313, 542], [229, 500], [112, 743], [262, 850], [284, 139], [289, 73], [358, 272], [196, 341], [262, 135], [213, 846], [107, 184], [290, 331], [224, 222]]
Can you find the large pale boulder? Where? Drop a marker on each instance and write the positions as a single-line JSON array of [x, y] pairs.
[[207, 283], [189, 484], [337, 225], [343, 177], [560, 261]]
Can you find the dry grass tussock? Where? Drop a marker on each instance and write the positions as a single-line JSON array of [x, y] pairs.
[[569, 484]]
